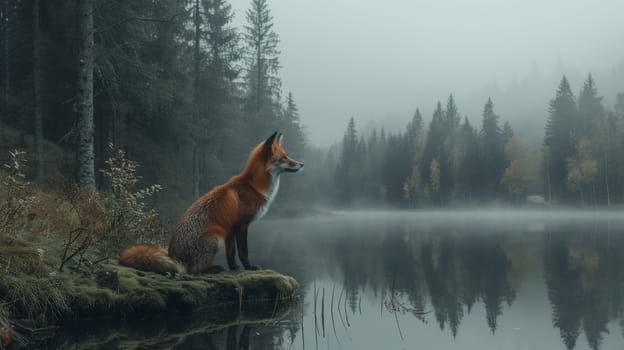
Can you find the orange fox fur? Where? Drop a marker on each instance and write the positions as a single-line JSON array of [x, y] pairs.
[[222, 214]]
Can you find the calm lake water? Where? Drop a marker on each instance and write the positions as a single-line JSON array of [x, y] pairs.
[[432, 280]]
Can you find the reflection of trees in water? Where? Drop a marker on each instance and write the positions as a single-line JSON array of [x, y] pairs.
[[584, 277], [462, 268], [262, 325], [455, 268], [440, 265]]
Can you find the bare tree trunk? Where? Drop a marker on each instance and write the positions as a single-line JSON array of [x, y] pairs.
[[6, 68], [86, 172], [196, 58], [6, 81], [37, 79]]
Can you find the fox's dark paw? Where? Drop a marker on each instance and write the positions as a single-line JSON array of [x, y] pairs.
[[235, 268], [214, 269]]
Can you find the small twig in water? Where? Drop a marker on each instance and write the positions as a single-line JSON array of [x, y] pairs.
[[396, 318], [346, 313], [323, 312], [332, 316], [316, 331], [338, 308], [360, 305]]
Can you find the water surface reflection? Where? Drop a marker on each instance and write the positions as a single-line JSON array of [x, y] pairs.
[[475, 280], [472, 280]]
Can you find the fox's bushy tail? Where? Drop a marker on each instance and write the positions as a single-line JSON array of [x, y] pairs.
[[151, 259]]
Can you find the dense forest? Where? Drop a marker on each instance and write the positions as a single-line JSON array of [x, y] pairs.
[[172, 83], [455, 163], [186, 94]]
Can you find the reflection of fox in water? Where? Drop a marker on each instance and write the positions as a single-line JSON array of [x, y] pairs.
[[223, 214]]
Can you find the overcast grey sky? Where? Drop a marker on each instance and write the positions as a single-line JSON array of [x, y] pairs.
[[379, 60]]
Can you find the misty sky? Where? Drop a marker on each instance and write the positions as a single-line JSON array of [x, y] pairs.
[[379, 60]]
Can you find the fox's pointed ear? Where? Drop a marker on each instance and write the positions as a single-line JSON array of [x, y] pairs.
[[280, 136], [270, 141], [269, 144]]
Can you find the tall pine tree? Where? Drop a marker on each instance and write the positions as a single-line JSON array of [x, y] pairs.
[[262, 65], [492, 151], [590, 109], [560, 139], [290, 125], [468, 170], [345, 166]]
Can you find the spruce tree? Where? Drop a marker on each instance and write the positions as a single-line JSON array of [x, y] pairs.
[[447, 157], [292, 128], [220, 97], [414, 143], [492, 151], [435, 139], [560, 139], [349, 143], [222, 42], [452, 114], [600, 128], [261, 65], [508, 132], [468, 170], [413, 127], [344, 168], [590, 109], [439, 145]]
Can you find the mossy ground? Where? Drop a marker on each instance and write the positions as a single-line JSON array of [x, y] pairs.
[[114, 291], [118, 295], [124, 308]]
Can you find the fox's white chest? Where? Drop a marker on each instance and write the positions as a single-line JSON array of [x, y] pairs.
[[269, 196]]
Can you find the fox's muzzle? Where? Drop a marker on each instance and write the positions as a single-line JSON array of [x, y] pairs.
[[294, 167]]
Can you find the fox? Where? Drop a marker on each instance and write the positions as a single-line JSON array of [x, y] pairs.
[[220, 217]]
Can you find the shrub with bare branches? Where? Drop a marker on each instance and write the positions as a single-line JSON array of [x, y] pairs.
[[17, 193], [110, 220]]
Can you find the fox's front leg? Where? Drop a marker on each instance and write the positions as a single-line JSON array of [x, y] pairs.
[[241, 243], [230, 251]]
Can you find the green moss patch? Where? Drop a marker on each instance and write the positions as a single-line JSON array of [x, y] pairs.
[[116, 291]]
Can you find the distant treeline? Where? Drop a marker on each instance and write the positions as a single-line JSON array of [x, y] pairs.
[[171, 82], [455, 163]]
